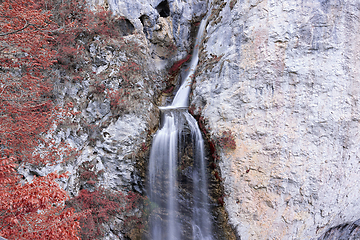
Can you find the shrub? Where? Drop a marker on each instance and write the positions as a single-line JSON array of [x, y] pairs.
[[227, 140], [102, 205]]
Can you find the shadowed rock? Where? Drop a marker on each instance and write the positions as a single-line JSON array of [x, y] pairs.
[[347, 231]]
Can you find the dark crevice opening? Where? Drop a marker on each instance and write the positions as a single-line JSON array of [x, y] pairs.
[[145, 21], [125, 26], [142, 19], [163, 9]]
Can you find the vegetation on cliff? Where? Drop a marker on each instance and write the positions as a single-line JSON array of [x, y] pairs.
[[34, 37]]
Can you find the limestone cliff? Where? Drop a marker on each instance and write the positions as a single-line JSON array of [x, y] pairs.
[[276, 94], [122, 81], [283, 77]]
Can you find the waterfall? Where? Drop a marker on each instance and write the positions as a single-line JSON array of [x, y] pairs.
[[177, 170]]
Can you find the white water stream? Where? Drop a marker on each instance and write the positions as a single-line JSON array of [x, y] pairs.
[[181, 207]]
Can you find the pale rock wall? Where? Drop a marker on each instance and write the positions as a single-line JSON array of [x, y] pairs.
[[288, 88]]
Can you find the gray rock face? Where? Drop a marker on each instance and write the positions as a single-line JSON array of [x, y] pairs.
[[112, 136], [109, 134], [283, 77], [154, 16], [115, 100], [109, 138]]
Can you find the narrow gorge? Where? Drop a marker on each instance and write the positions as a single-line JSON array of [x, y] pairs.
[[222, 119], [180, 192]]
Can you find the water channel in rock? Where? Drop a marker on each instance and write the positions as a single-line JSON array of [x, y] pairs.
[[178, 185]]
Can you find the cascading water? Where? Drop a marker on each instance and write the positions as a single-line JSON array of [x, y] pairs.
[[179, 195]]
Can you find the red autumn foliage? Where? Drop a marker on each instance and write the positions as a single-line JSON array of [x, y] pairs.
[[221, 201], [33, 36], [169, 89], [144, 147], [25, 109], [117, 98], [174, 71], [175, 68], [227, 140], [232, 4], [217, 176], [72, 19], [212, 147], [32, 210], [103, 205]]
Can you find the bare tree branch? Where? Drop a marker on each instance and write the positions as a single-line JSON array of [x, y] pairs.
[[26, 25]]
